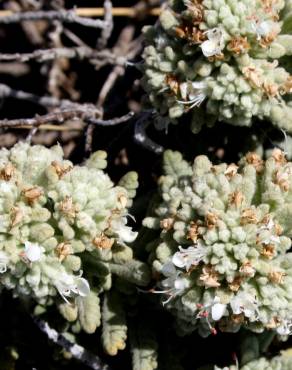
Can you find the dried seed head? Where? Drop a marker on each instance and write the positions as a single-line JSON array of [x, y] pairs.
[[123, 200], [103, 242], [253, 76], [209, 277], [248, 216], [61, 170], [67, 207], [7, 172], [255, 160], [247, 270], [196, 8], [286, 88], [270, 89], [236, 198], [32, 194], [63, 250], [282, 179], [167, 223], [173, 83], [235, 284], [268, 251], [193, 232], [276, 277], [16, 215], [231, 170], [211, 220], [238, 45]]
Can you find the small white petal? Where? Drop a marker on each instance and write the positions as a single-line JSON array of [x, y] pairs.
[[183, 87], [217, 311], [180, 284], [127, 235], [83, 287], [33, 251], [209, 48], [179, 260], [168, 269]]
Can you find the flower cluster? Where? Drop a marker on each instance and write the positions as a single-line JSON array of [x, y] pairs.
[[63, 231], [227, 54], [224, 234]]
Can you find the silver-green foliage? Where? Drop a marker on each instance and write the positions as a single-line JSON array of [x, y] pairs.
[[63, 231], [227, 53], [221, 252]]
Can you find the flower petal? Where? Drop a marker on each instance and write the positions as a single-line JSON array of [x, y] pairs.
[[217, 311]]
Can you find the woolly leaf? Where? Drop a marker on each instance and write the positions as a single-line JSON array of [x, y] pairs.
[[114, 328]]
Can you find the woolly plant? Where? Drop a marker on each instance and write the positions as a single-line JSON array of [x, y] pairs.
[[226, 55], [64, 235], [221, 250]]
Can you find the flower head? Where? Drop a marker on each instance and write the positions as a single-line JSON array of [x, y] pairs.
[[174, 284], [244, 303], [215, 43], [124, 232], [68, 285], [191, 256], [193, 93]]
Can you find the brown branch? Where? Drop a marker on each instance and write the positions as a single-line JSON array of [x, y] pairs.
[[110, 122], [45, 101], [62, 15], [99, 12], [58, 117], [101, 57], [107, 30]]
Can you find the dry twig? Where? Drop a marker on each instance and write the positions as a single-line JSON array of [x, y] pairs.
[[62, 15], [101, 57], [78, 352], [99, 12], [107, 30]]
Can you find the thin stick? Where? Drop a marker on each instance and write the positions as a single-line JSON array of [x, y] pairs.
[[66, 16], [59, 117], [78, 352], [81, 52], [99, 12], [110, 122]]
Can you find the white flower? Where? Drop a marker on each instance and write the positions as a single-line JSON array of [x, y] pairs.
[[191, 256], [194, 93], [215, 308], [262, 29], [272, 239], [244, 303], [67, 284], [124, 233], [285, 328], [3, 262], [215, 43], [32, 251], [174, 283], [218, 309]]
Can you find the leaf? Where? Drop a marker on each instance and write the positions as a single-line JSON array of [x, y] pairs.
[[114, 328], [143, 347], [89, 312]]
